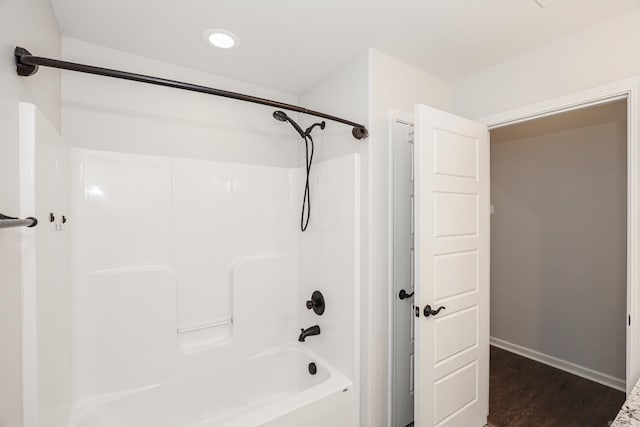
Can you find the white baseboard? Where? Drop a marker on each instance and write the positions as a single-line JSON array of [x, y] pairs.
[[572, 368]]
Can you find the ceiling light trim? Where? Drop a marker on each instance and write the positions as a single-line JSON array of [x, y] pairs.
[[545, 3], [227, 41]]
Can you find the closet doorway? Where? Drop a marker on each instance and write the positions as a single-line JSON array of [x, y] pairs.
[[559, 268], [595, 182]]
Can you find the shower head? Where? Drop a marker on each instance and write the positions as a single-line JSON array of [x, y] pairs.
[[282, 117]]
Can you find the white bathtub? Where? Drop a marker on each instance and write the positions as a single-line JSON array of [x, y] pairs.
[[273, 389]]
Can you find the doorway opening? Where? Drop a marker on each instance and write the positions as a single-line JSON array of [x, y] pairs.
[[559, 268], [589, 199], [401, 271]]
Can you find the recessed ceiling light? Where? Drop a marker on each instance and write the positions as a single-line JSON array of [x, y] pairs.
[[220, 38]]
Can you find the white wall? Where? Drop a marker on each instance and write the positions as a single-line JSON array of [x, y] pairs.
[[30, 23], [185, 143], [394, 85], [223, 185], [117, 115], [597, 56], [345, 93], [364, 90], [558, 237]]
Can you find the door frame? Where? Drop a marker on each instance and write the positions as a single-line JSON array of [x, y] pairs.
[[407, 118], [629, 90]]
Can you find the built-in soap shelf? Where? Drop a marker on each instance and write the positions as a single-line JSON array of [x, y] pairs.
[[193, 339], [205, 326]]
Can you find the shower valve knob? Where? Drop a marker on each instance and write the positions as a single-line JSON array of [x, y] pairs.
[[316, 303]]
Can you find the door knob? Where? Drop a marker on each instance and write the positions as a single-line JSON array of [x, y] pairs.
[[404, 295], [428, 312]]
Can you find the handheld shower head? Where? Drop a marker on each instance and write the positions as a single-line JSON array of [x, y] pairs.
[[282, 117]]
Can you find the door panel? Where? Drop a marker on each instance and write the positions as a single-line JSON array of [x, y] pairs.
[[455, 392], [455, 333], [455, 273], [455, 214], [455, 154], [451, 270]]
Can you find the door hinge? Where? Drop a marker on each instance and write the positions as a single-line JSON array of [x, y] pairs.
[[417, 309]]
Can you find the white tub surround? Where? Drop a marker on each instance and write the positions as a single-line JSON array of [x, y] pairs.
[[46, 329], [190, 279]]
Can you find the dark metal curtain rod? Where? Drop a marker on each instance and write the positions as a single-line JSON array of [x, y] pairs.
[[27, 65], [9, 222]]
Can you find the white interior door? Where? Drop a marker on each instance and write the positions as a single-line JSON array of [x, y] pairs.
[[452, 270]]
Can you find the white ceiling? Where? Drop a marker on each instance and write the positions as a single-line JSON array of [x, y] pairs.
[[289, 45]]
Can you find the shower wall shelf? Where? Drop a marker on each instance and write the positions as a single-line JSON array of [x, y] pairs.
[[27, 65], [10, 222]]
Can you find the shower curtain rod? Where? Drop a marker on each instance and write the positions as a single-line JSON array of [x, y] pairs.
[[10, 222], [27, 65]]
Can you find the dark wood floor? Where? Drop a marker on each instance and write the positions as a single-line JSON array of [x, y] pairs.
[[523, 392]]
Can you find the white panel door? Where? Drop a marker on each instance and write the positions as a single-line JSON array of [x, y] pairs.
[[452, 270]]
